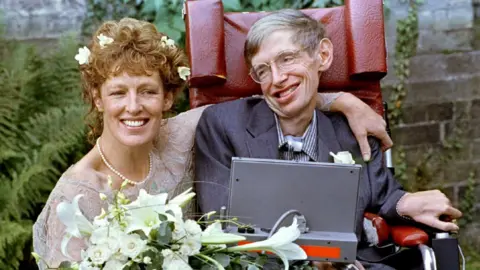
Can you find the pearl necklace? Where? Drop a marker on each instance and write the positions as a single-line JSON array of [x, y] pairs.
[[133, 183]]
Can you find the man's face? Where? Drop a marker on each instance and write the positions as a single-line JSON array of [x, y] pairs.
[[288, 75]]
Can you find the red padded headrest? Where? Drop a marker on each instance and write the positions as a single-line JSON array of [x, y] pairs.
[[215, 42]]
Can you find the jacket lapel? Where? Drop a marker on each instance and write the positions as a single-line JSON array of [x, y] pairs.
[[326, 138], [262, 136]]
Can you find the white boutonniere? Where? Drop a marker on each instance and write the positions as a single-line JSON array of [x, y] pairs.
[[104, 40], [343, 157], [167, 42], [183, 72], [83, 55]]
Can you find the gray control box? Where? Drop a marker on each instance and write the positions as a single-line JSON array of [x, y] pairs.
[[262, 190]]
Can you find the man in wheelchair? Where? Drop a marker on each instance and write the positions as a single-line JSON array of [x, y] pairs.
[[287, 52]]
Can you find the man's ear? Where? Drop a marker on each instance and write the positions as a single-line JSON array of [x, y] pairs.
[[168, 101], [325, 53]]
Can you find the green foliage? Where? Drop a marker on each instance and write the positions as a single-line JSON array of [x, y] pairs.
[[467, 206], [99, 11], [13, 239], [405, 48], [41, 134]]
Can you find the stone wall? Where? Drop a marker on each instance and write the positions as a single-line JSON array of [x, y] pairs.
[[443, 96], [444, 25], [42, 19]]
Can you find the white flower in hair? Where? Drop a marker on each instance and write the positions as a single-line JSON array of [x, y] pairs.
[[167, 42], [104, 40], [83, 55], [183, 72]]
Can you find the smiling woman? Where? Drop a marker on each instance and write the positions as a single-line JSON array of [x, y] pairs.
[[131, 74]]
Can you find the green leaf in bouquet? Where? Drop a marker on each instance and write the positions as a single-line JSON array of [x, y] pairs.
[[196, 263], [222, 258], [261, 259], [164, 233], [236, 266], [170, 212], [240, 260], [132, 266], [66, 266], [156, 258], [305, 265], [162, 217], [208, 267]]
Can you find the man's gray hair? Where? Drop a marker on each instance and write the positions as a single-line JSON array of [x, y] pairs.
[[306, 32]]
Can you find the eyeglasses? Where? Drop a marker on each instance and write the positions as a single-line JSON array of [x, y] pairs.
[[284, 61]]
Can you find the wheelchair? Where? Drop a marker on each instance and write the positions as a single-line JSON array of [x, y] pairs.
[[214, 43]]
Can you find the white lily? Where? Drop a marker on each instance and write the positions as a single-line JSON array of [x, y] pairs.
[[177, 212], [144, 219], [145, 200], [281, 243], [183, 72], [213, 235], [183, 198], [77, 225], [343, 157]]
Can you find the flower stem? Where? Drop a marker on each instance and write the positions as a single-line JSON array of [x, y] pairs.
[[210, 259]]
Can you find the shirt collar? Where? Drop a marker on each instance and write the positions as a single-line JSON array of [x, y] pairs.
[[309, 138]]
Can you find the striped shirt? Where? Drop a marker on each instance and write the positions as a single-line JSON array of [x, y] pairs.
[[299, 148]]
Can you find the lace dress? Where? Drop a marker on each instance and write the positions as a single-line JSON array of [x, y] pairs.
[[172, 171]]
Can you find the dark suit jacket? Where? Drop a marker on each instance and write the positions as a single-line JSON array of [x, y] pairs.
[[246, 128]]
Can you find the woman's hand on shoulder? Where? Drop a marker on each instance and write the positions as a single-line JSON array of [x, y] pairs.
[[363, 121]]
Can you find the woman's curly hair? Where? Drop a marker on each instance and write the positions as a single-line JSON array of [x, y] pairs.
[[137, 49]]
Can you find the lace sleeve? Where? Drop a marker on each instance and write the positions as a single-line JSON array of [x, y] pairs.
[[175, 145], [175, 142], [327, 99], [48, 231]]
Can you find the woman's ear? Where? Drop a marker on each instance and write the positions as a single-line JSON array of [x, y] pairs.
[[98, 101], [168, 101], [325, 53]]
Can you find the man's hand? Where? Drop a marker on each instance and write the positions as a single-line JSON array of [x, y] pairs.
[[363, 121], [427, 207]]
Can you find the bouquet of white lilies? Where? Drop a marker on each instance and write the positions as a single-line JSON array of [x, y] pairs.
[[151, 233]]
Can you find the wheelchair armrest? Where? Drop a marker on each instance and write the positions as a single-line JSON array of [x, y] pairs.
[[381, 226], [408, 236], [403, 236]]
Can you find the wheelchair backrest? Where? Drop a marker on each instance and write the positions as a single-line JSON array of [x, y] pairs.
[[215, 42]]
